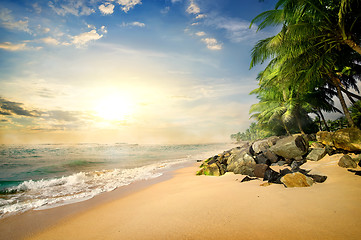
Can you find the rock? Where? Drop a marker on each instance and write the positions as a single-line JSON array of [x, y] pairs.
[[241, 163], [212, 170], [316, 145], [347, 162], [260, 169], [272, 140], [318, 178], [296, 164], [247, 179], [296, 179], [290, 147], [281, 163], [260, 146], [270, 156], [271, 176], [326, 138], [316, 154], [266, 184], [348, 139], [262, 159]]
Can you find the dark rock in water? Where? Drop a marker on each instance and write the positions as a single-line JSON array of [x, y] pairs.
[[246, 179], [271, 176], [290, 147], [348, 139], [296, 179], [260, 169], [347, 162], [317, 178], [316, 154]]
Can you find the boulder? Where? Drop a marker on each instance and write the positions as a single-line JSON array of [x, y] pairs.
[[317, 178], [347, 162], [296, 179], [260, 169], [316, 145], [262, 159], [316, 154], [260, 146], [247, 179], [290, 147], [272, 140], [348, 139], [326, 138], [210, 170], [241, 163], [271, 176], [271, 156]]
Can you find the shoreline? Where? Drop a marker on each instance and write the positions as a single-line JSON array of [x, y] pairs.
[[46, 218], [181, 205]]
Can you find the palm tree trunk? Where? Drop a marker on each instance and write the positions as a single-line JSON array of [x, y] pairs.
[[285, 127], [323, 119], [350, 94], [353, 45], [343, 103], [299, 124]]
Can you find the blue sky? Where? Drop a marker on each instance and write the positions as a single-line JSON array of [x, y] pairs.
[[152, 71]]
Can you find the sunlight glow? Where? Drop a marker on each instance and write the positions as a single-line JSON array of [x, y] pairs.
[[115, 108]]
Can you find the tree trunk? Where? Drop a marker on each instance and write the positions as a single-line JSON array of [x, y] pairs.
[[343, 103], [285, 126], [353, 45], [299, 124], [348, 93], [323, 120]]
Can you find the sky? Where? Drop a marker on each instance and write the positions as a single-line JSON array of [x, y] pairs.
[[134, 71]]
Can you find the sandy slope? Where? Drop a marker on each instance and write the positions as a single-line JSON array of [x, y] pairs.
[[201, 207]]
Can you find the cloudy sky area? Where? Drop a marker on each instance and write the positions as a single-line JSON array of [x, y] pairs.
[[137, 71]]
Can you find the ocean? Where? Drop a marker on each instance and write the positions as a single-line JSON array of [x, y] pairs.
[[49, 175]]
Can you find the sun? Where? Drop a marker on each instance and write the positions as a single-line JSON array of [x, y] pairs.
[[115, 107]]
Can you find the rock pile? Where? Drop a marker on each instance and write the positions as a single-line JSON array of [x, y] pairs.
[[256, 159]]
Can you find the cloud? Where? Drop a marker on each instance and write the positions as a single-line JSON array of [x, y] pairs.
[[12, 47], [175, 1], [106, 8], [50, 41], [134, 24], [8, 21], [200, 16], [237, 30], [128, 4], [212, 43], [103, 29], [74, 7], [37, 8], [200, 34], [83, 38], [193, 8], [165, 10], [68, 116], [14, 108]]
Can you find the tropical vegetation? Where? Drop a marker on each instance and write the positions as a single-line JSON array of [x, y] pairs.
[[313, 59]]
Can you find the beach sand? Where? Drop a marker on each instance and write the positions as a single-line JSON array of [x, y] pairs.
[[203, 207]]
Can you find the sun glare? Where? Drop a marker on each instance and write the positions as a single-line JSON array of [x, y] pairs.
[[115, 108]]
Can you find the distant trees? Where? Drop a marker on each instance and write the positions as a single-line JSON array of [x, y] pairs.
[[315, 57]]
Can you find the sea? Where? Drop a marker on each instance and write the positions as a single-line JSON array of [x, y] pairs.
[[50, 175]]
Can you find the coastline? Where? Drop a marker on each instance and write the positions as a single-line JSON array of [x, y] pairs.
[[180, 205]]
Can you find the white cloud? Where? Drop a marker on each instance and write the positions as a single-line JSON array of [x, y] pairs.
[[212, 43], [83, 38], [200, 34], [12, 47], [128, 4], [75, 7], [106, 8], [193, 8], [200, 16], [175, 1], [237, 30], [37, 8], [103, 29], [165, 10], [90, 26], [134, 24], [195, 24], [7, 20], [50, 41]]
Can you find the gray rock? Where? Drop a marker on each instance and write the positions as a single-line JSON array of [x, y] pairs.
[[262, 159], [271, 156], [296, 179], [347, 162], [316, 154], [260, 146], [290, 147], [241, 163]]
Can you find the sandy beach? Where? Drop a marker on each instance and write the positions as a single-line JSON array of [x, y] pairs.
[[186, 206]]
